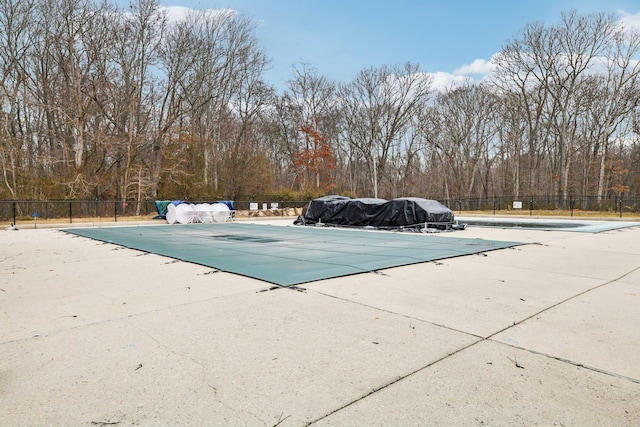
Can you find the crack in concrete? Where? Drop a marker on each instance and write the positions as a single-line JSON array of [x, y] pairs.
[[480, 339]]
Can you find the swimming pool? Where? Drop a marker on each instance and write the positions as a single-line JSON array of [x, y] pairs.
[[584, 226]]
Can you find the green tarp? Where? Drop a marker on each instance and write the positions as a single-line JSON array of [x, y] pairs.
[[289, 255]]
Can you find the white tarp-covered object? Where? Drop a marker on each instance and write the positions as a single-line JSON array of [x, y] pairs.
[[187, 213]]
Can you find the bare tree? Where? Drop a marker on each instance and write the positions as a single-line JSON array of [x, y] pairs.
[[546, 66], [378, 107], [463, 134], [102, 102], [510, 156], [248, 170], [307, 105], [207, 86], [518, 78], [226, 67], [618, 94], [16, 42]]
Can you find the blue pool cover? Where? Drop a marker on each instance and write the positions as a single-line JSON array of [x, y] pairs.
[[581, 226], [289, 255]]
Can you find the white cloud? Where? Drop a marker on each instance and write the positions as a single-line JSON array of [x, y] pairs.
[[445, 81], [180, 13], [629, 20], [477, 71], [177, 13], [478, 66]]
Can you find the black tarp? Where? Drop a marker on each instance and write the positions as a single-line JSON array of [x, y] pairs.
[[406, 212]]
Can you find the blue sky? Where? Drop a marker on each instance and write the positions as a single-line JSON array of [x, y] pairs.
[[342, 37]]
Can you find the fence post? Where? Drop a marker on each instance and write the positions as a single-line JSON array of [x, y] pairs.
[[531, 207], [570, 205], [14, 213], [115, 211], [70, 214], [620, 207]]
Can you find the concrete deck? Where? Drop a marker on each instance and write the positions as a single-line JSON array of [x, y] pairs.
[[542, 334]]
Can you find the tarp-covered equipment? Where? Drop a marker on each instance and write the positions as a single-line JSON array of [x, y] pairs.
[[403, 213]]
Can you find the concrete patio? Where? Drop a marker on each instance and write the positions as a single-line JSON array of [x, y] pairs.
[[546, 333]]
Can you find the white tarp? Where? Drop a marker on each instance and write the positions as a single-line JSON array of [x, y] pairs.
[[185, 213], [221, 212], [171, 214]]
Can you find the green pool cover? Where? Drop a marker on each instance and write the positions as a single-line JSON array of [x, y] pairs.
[[292, 255]]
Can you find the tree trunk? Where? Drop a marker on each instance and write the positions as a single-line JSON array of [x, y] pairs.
[[601, 175], [79, 140]]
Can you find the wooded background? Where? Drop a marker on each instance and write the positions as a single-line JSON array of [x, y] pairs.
[[109, 104]]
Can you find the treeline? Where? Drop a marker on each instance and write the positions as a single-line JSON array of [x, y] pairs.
[[103, 103]]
